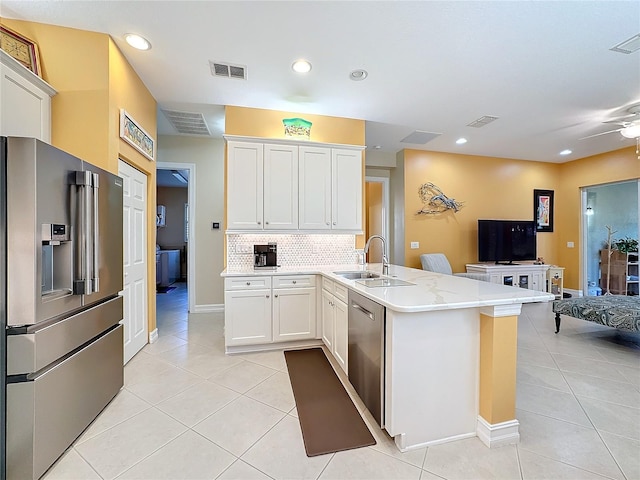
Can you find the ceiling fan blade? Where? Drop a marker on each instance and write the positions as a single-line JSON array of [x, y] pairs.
[[602, 133]]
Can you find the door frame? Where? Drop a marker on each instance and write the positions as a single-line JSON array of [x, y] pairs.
[[385, 207], [191, 243]]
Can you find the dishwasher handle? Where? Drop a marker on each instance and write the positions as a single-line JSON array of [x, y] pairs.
[[363, 310]]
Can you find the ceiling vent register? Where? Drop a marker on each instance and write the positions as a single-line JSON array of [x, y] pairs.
[[188, 123], [221, 69], [482, 121]]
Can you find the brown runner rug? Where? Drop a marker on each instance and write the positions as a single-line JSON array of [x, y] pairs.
[[328, 418]]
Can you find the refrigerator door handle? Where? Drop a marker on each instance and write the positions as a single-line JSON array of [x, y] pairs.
[[84, 251], [95, 241]]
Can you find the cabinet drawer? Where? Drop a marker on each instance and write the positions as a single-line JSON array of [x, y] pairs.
[[247, 283], [328, 285], [294, 281], [341, 292]]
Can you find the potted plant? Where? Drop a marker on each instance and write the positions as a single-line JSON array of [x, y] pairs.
[[625, 245]]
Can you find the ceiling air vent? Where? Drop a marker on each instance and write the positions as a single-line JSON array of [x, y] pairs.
[[221, 69], [188, 123], [419, 137], [482, 121], [628, 46]]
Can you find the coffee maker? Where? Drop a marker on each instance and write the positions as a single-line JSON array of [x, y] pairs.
[[265, 256]]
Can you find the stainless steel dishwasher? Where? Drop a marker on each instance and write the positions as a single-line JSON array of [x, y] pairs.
[[366, 352]]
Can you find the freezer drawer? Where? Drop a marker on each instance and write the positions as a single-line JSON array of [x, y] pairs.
[[41, 345], [45, 415]]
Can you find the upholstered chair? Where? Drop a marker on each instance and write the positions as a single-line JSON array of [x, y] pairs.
[[437, 262]]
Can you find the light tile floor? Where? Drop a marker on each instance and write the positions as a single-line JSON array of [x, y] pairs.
[[189, 411]]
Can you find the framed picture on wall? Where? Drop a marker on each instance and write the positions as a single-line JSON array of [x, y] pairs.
[[21, 48], [134, 135], [543, 210]]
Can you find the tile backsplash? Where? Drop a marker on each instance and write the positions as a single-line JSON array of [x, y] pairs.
[[294, 249]]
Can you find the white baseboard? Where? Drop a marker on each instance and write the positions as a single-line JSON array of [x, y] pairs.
[[400, 441], [273, 346], [213, 308], [499, 434], [153, 336]]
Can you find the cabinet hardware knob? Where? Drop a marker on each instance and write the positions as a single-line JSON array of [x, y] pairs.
[[328, 223], [335, 223], [259, 222], [276, 296], [294, 282], [248, 283], [267, 296], [266, 223]]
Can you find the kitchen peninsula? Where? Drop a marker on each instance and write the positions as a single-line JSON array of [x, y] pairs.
[[449, 345]]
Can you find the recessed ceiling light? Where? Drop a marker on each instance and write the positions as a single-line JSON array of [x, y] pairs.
[[566, 152], [461, 141], [358, 75], [301, 66], [136, 41]]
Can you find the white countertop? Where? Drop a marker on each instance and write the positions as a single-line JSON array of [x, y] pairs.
[[432, 291]]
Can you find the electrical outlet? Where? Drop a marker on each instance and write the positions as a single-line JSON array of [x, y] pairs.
[[415, 245], [570, 245], [243, 248]]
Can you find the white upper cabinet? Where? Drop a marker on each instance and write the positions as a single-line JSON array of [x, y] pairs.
[[286, 186], [315, 188], [280, 187], [346, 204], [25, 101], [245, 170]]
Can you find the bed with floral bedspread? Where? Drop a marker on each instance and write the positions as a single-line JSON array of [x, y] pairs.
[[618, 311]]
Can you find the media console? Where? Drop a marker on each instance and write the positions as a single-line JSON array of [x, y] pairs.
[[524, 275]]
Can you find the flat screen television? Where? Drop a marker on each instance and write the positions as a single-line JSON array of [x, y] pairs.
[[506, 241]]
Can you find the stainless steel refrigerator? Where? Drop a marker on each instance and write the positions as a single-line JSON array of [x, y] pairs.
[[64, 266]]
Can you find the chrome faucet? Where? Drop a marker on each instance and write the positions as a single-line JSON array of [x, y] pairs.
[[385, 259]]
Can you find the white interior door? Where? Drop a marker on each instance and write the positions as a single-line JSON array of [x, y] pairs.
[[136, 325]]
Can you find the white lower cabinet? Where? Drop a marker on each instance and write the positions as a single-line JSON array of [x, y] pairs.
[[264, 309], [335, 326]]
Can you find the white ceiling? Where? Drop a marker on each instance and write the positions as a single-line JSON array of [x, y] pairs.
[[543, 67]]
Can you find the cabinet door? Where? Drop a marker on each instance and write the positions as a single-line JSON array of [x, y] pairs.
[[328, 321], [294, 314], [247, 317], [341, 338], [280, 187], [524, 280], [346, 205], [25, 102], [315, 188], [244, 186]]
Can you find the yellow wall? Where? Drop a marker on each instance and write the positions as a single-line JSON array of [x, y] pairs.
[[94, 80], [491, 188], [615, 166], [75, 63], [255, 122]]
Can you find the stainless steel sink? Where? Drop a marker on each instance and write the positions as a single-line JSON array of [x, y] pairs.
[[383, 282], [357, 274]]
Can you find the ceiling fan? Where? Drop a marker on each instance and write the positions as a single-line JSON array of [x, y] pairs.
[[629, 124]]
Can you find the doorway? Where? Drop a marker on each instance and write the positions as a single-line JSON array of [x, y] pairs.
[[175, 204], [615, 205], [377, 215]]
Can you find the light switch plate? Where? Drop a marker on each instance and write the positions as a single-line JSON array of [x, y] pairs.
[[415, 245]]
